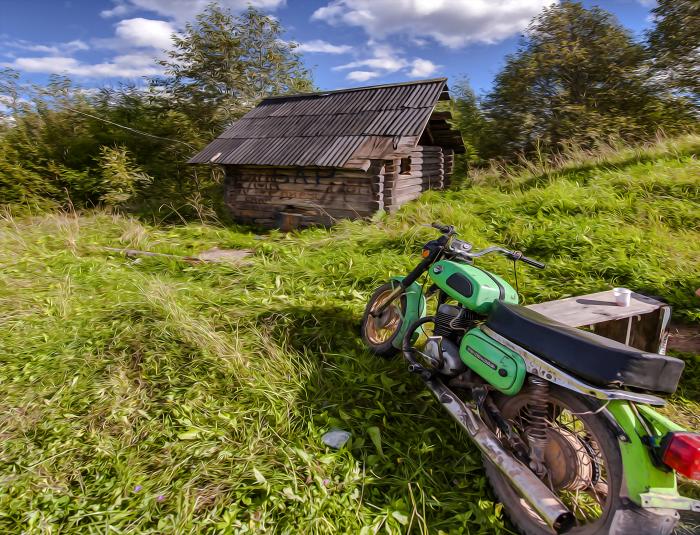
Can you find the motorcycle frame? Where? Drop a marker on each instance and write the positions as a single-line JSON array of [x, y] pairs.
[[645, 482]]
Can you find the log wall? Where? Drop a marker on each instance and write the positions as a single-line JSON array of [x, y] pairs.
[[266, 196], [427, 172], [448, 156], [290, 197]]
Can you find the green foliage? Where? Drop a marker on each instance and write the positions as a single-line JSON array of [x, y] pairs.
[[157, 396], [122, 178], [222, 65], [54, 142], [578, 76], [470, 121], [55, 148], [674, 44]]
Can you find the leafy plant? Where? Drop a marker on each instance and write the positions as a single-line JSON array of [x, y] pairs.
[[122, 178], [577, 76]]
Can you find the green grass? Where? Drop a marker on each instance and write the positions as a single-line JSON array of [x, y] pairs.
[[156, 396]]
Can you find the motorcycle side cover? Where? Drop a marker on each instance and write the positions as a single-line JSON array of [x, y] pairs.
[[503, 368]]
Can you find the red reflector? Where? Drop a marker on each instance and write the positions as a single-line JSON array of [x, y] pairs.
[[683, 454]]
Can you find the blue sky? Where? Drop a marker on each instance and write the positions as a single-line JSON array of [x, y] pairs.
[[346, 42]]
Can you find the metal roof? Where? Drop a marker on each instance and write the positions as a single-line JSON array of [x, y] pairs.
[[325, 128]]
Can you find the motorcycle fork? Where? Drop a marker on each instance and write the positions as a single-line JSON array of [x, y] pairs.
[[392, 297]]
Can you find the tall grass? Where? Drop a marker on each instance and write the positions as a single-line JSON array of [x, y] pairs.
[[157, 396]]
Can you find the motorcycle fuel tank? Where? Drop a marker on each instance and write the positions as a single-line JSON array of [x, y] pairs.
[[501, 367], [471, 286]]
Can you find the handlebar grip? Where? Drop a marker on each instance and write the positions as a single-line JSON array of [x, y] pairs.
[[532, 262], [445, 229]]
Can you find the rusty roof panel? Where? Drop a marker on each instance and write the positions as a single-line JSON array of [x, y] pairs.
[[325, 128]]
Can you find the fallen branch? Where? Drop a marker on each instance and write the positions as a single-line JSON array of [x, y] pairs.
[[215, 255]]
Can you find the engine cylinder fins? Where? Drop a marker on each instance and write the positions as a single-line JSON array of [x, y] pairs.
[[451, 319]]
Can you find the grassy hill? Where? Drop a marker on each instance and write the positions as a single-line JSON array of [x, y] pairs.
[[159, 396]]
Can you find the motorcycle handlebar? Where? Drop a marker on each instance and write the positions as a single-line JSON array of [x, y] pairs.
[[517, 255], [533, 263], [445, 229], [449, 230]]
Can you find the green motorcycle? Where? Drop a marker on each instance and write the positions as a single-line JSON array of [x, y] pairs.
[[564, 418]]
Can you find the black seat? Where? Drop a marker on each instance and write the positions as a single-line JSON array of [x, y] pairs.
[[595, 359]]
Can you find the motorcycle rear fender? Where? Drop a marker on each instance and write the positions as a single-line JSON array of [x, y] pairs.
[[415, 309], [641, 477]]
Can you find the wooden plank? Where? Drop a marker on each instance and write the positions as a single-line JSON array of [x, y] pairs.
[[339, 178], [276, 203], [306, 191], [428, 148], [441, 115], [645, 331], [595, 308], [408, 180], [357, 163], [427, 160]]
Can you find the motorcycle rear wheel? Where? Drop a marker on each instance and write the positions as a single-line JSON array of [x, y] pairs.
[[618, 516]]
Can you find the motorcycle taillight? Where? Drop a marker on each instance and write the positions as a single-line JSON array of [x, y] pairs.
[[682, 453]]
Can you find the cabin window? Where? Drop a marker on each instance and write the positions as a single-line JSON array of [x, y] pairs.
[[405, 166]]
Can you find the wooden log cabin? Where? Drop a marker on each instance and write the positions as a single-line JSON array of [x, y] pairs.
[[308, 159]]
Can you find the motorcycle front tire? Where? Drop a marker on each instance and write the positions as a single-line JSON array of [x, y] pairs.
[[384, 348]]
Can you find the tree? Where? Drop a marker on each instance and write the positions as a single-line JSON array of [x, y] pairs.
[[674, 44], [469, 120], [222, 65], [578, 75]]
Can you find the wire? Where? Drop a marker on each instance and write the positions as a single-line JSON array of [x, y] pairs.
[[129, 128]]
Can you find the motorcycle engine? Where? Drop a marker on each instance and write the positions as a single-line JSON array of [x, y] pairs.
[[451, 323]]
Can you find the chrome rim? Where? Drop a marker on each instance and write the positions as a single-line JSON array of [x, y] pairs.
[[383, 327], [576, 465]]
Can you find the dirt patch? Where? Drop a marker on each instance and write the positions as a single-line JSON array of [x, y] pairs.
[[684, 338]]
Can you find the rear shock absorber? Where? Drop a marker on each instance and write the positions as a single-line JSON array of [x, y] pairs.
[[537, 430]]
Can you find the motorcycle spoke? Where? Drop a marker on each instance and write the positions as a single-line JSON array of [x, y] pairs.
[[585, 491]]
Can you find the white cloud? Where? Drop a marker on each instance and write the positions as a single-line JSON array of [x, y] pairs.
[[452, 23], [182, 10], [362, 76], [422, 68], [323, 47], [385, 63], [386, 60], [58, 49], [121, 66], [136, 44], [145, 33]]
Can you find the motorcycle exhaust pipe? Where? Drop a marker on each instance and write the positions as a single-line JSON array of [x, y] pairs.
[[528, 485]]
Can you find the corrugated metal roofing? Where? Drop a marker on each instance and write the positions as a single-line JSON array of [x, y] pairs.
[[324, 129]]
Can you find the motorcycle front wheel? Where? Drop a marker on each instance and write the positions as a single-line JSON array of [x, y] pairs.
[[584, 469], [380, 332]]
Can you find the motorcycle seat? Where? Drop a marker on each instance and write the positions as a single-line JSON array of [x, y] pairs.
[[598, 360]]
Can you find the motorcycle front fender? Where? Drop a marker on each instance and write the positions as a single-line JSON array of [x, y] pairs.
[[415, 309]]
